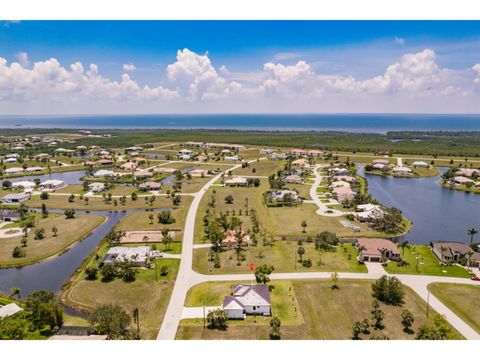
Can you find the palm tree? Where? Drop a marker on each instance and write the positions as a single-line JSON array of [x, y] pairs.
[[403, 245], [304, 225], [15, 292], [469, 254], [145, 239], [54, 230], [472, 233], [361, 249], [301, 251]]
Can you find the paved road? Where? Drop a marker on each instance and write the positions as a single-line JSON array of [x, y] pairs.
[[187, 278], [322, 208]]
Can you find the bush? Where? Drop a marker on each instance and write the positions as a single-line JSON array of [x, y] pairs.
[[388, 290], [39, 234], [91, 273], [217, 319], [18, 252], [44, 195], [164, 270], [108, 272], [307, 263]]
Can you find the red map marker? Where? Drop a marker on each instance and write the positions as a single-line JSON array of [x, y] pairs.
[[252, 267]]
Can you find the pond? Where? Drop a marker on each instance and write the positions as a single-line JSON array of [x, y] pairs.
[[52, 274], [68, 177], [437, 213]]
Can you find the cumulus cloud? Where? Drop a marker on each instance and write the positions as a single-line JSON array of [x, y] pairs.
[[22, 58], [49, 80], [129, 67], [476, 69], [192, 81]]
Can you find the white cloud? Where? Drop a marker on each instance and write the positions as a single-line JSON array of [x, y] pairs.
[[413, 83], [399, 40], [129, 67], [476, 69], [22, 58]]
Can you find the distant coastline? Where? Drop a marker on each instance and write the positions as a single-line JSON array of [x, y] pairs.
[[358, 123]]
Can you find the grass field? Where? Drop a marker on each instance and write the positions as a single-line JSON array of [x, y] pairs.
[[428, 264], [279, 221], [69, 231], [261, 168], [282, 256], [150, 295], [326, 313], [463, 300], [97, 203]]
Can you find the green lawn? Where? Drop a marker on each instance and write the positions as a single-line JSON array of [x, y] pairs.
[[428, 264], [327, 314], [462, 299], [282, 256], [69, 231]]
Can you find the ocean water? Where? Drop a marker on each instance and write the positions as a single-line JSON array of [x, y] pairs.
[[372, 123]]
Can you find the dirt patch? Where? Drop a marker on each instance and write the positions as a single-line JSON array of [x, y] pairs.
[[133, 237]]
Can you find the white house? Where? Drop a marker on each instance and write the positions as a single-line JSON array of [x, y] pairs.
[[421, 164], [96, 187], [381, 161], [368, 212], [339, 171], [9, 310], [104, 173], [9, 215], [15, 198], [34, 169], [11, 160], [266, 151], [247, 300], [402, 170], [52, 184], [26, 185], [231, 158], [14, 170], [138, 255]]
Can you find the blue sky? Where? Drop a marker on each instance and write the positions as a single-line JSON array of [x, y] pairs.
[[358, 49]]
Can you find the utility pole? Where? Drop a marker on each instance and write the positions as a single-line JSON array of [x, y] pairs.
[[428, 301], [204, 320]]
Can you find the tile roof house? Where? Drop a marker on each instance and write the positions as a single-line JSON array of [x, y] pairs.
[[236, 181], [344, 194], [453, 251], [294, 179], [375, 248], [231, 238], [150, 185], [247, 300], [466, 172], [462, 180]]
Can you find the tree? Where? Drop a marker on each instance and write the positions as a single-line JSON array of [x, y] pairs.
[[108, 272], [71, 198], [115, 236], [39, 233], [388, 290], [44, 211], [43, 310], [134, 196], [176, 200], [439, 329], [164, 270], [126, 270], [91, 273], [334, 278], [166, 239], [54, 230], [300, 252], [325, 241], [304, 225], [356, 330], [407, 321], [403, 245], [262, 273], [150, 217], [111, 320], [69, 213], [275, 324], [217, 319], [165, 217], [472, 232], [14, 327], [229, 199], [377, 315], [24, 241], [145, 240], [18, 252], [136, 320], [15, 292]]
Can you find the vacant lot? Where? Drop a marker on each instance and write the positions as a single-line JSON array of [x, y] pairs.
[[428, 264], [98, 203], [463, 300], [69, 231], [261, 168], [327, 315], [282, 254]]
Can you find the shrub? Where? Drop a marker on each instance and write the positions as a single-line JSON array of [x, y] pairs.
[[388, 290]]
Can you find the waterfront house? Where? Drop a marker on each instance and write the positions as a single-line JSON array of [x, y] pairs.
[[347, 178], [104, 174], [9, 215], [402, 170], [421, 164], [374, 248], [381, 161], [453, 252], [137, 255], [150, 186], [467, 172], [9, 310], [14, 170], [368, 212], [34, 169], [142, 174], [15, 198], [247, 300], [379, 166], [462, 180], [25, 185], [52, 184], [344, 194], [339, 171]]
